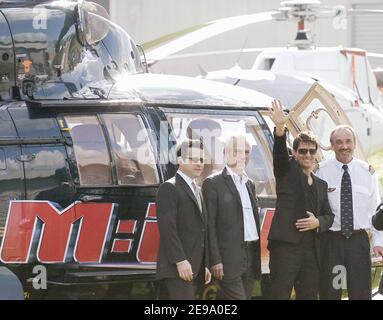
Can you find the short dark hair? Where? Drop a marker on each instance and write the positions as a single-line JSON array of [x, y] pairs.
[[182, 148], [306, 136]]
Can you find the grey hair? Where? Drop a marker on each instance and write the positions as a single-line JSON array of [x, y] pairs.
[[230, 141]]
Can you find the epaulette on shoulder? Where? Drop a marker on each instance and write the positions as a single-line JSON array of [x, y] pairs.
[[368, 167], [371, 169]]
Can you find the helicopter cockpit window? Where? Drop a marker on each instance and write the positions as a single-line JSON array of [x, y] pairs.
[[90, 150], [131, 149], [214, 130], [267, 64]]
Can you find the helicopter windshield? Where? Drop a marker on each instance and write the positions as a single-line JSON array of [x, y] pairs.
[[64, 49]]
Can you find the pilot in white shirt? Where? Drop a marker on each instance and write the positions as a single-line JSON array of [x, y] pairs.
[[353, 193], [365, 194]]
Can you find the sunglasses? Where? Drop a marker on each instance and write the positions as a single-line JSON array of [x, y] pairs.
[[304, 151]]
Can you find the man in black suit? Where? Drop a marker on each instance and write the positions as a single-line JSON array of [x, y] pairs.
[[234, 228], [182, 262], [302, 213]]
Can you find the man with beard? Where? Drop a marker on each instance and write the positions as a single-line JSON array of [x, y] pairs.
[[234, 227], [302, 213], [354, 195]]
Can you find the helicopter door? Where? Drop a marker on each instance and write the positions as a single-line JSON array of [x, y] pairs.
[[44, 158], [7, 79], [319, 112], [115, 157]]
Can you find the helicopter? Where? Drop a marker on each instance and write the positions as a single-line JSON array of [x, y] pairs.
[[86, 138], [287, 72]]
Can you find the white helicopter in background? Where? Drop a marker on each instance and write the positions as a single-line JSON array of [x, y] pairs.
[[288, 72]]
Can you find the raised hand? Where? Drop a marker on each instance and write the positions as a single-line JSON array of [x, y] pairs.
[[278, 116]]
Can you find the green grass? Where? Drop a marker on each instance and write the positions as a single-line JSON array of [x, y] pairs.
[[376, 274]]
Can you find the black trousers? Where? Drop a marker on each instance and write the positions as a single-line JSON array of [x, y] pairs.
[[346, 263], [241, 286], [178, 289], [293, 266]]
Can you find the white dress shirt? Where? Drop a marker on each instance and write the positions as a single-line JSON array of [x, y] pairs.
[[250, 228], [365, 193]]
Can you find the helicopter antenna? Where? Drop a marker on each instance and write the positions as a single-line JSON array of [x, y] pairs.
[[111, 88], [240, 53], [202, 71]]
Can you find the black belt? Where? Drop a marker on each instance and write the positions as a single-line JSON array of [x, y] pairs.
[[247, 244]]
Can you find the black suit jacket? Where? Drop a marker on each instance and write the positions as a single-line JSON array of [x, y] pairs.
[[183, 229], [226, 230], [291, 197], [377, 219]]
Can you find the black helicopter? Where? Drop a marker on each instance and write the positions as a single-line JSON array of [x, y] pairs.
[[87, 136]]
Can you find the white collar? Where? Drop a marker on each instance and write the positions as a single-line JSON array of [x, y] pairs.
[[339, 165], [244, 178], [187, 179]]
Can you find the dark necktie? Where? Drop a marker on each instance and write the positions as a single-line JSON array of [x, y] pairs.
[[346, 212], [197, 196]]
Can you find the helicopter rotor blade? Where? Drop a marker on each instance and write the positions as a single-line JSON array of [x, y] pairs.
[[213, 53], [309, 10], [207, 31], [374, 55], [246, 50], [365, 12]]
